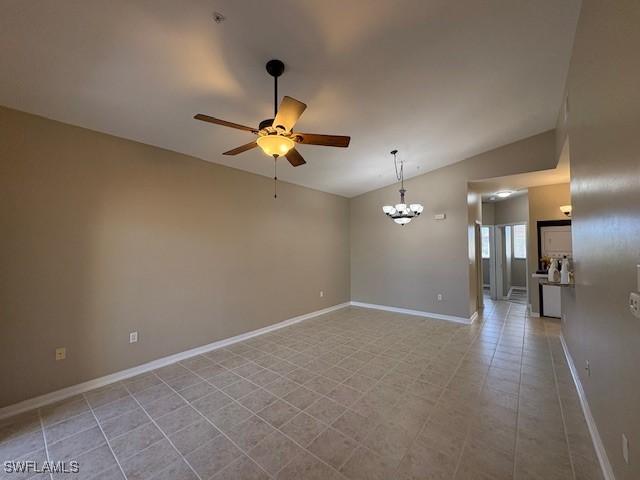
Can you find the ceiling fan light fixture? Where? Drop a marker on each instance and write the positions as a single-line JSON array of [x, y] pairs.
[[275, 145]]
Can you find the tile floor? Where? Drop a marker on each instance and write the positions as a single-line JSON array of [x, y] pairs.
[[355, 394]]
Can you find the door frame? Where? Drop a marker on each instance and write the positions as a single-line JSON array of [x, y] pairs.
[[479, 276], [496, 235]]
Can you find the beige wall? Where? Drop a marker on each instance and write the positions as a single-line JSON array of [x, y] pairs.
[[488, 213], [102, 236], [408, 266], [604, 134], [512, 210], [544, 204]]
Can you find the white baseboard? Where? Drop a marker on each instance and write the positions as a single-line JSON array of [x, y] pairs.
[[67, 392], [607, 471], [419, 313], [532, 313]]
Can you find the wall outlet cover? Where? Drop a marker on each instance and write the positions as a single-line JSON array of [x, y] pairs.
[[133, 337], [634, 304], [439, 297], [321, 293], [61, 353]]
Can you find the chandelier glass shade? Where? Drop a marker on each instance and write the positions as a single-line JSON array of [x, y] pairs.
[[277, 145], [401, 213]]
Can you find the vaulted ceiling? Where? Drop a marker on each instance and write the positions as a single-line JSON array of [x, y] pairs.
[[439, 80]]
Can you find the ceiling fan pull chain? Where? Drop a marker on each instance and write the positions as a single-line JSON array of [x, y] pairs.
[[275, 176]]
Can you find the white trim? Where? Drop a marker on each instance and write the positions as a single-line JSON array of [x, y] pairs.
[[533, 314], [607, 471], [419, 313], [67, 392], [512, 288]]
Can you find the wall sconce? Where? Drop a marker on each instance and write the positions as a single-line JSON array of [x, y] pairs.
[[566, 209]]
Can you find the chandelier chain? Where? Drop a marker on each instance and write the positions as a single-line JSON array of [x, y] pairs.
[[399, 172]]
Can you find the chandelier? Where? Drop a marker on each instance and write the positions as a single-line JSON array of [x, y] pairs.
[[401, 213]]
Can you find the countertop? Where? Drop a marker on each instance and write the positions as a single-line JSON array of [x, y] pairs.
[[557, 284]]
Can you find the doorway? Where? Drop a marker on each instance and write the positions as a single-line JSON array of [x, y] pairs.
[[504, 255]]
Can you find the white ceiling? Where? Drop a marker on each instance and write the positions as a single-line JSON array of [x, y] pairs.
[[440, 80]]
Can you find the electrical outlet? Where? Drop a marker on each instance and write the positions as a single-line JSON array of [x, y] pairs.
[[321, 293], [439, 297], [133, 337], [634, 304], [61, 353], [587, 367], [625, 448]]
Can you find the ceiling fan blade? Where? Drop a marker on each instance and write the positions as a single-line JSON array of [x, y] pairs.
[[295, 158], [289, 112], [217, 121], [242, 148], [326, 140]]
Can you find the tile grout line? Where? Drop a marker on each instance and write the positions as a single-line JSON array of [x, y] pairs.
[[345, 334], [44, 438], [503, 321], [162, 432], [360, 444], [362, 394], [275, 428], [557, 391], [105, 438], [468, 428], [423, 424], [321, 395], [515, 450], [214, 425]]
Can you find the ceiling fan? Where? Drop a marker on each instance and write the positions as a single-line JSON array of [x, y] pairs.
[[275, 135]]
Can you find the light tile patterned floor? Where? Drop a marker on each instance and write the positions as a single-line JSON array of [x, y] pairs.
[[356, 394]]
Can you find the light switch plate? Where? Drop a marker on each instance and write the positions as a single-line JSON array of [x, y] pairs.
[[133, 337], [61, 353], [440, 216]]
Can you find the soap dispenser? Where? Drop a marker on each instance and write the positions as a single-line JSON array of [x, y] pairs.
[[552, 274], [564, 271]]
